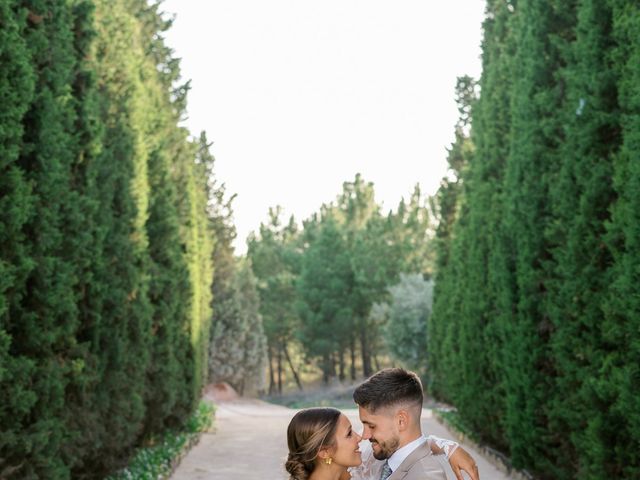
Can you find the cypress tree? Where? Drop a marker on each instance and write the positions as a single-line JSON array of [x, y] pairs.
[[448, 204], [619, 374], [582, 197], [238, 342], [469, 305], [90, 220], [17, 83], [172, 386], [491, 135], [198, 228], [533, 158], [224, 356], [44, 313], [170, 392], [237, 353], [554, 280], [255, 341], [484, 195], [120, 328], [81, 234]]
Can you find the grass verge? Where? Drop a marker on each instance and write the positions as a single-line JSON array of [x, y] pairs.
[[454, 420]]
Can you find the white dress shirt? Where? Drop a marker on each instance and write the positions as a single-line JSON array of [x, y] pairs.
[[399, 455], [371, 468]]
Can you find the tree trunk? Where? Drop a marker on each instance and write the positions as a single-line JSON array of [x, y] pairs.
[[333, 365], [366, 354], [280, 370], [241, 388], [293, 370], [352, 349], [272, 381], [325, 368], [341, 375]]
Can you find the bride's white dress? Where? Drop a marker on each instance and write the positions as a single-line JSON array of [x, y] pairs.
[[371, 468]]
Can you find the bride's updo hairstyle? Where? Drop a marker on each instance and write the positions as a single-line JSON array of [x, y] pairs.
[[309, 431]]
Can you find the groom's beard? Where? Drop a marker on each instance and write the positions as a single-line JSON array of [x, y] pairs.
[[385, 449]]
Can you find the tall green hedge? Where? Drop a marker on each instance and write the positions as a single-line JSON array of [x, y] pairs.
[[105, 245], [534, 334]]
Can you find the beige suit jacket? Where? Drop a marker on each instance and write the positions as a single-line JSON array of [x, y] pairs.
[[419, 465]]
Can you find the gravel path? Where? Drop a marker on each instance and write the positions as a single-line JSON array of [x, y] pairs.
[[250, 443]]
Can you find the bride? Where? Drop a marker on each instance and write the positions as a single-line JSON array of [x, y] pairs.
[[323, 446]]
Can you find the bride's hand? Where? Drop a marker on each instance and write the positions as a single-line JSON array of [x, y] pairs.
[[460, 461]]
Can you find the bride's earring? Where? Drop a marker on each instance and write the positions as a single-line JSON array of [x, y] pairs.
[[328, 460]]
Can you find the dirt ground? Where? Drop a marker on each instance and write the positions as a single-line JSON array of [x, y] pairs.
[[249, 442]]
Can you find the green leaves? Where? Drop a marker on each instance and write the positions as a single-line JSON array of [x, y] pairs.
[[406, 331]]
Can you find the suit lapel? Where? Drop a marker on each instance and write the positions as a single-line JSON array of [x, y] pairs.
[[419, 453]]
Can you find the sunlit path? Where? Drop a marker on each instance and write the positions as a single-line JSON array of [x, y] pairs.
[[250, 443]]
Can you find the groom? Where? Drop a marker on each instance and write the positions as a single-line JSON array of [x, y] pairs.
[[390, 404]]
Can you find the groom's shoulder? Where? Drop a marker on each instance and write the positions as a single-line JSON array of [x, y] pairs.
[[425, 466], [428, 468]]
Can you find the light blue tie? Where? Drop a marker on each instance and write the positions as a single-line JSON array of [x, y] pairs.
[[386, 471]]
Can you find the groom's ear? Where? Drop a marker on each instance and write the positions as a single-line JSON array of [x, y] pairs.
[[402, 419]]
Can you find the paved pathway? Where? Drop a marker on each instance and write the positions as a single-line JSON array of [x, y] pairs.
[[249, 442]]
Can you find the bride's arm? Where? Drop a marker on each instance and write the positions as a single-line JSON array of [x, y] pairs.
[[458, 457], [441, 446]]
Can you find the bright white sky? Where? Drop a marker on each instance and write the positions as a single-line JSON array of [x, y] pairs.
[[299, 96]]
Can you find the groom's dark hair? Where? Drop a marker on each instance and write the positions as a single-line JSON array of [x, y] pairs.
[[388, 388]]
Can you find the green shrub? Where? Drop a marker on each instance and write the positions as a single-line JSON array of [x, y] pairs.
[[157, 459]]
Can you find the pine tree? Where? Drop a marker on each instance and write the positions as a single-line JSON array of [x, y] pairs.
[[366, 237], [275, 262], [410, 235], [324, 292]]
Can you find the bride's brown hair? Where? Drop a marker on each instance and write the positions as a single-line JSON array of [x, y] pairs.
[[309, 431]]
